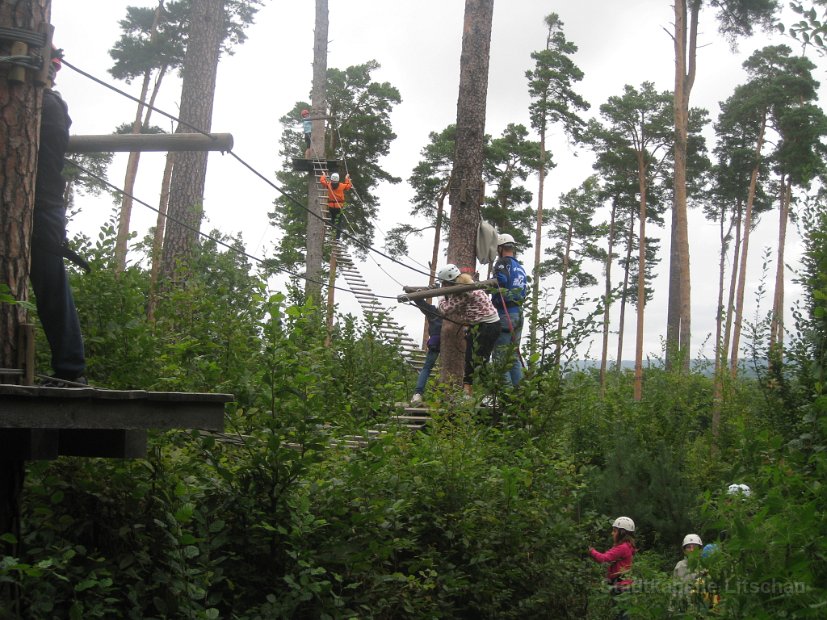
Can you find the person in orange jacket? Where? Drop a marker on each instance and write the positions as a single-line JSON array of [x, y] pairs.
[[336, 198]]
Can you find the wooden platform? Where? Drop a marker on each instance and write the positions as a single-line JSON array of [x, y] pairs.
[[301, 164], [44, 423]]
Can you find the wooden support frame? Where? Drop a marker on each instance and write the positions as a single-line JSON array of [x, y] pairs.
[[40, 423]]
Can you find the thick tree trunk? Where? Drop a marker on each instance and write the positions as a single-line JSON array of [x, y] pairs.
[[678, 325], [197, 94], [607, 296], [19, 134], [315, 225], [538, 243], [467, 189], [742, 269], [641, 282]]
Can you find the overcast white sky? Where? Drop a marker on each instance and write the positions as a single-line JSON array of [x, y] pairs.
[[418, 47]]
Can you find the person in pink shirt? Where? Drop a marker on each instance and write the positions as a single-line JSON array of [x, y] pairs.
[[619, 557], [475, 309]]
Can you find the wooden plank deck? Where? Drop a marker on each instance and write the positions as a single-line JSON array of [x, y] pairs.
[[44, 423]]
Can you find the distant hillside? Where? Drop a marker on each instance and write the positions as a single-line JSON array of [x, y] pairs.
[[701, 366]]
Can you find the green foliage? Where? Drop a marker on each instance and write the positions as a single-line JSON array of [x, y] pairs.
[[481, 516], [358, 132], [810, 28], [508, 160], [151, 42], [551, 83]]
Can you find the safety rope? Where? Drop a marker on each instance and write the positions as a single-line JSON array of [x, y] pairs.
[[30, 62], [205, 235], [352, 237], [511, 328], [30, 37], [359, 198]]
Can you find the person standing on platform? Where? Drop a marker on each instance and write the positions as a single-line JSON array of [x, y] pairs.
[[307, 128], [50, 282], [508, 300]]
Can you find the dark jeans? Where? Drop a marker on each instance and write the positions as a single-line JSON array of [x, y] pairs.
[[55, 304], [430, 359], [336, 220], [479, 344]]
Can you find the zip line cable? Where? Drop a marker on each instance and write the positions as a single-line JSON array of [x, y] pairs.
[[362, 202], [170, 218], [353, 238]]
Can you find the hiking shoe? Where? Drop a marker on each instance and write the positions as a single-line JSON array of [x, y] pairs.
[[56, 382], [416, 399]]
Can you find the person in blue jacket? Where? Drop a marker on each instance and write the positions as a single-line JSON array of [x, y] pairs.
[[508, 300]]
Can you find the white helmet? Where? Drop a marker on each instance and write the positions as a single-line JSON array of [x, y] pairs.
[[448, 273], [624, 523], [505, 239], [334, 177], [692, 539], [739, 489]]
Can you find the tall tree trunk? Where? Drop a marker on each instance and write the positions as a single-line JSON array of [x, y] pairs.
[[717, 388], [440, 214], [20, 105], [733, 283], [466, 190], [719, 311], [777, 321], [630, 239], [607, 297], [197, 94], [315, 225], [132, 163], [742, 269], [561, 311], [641, 281], [678, 324], [158, 239], [131, 175], [538, 243]]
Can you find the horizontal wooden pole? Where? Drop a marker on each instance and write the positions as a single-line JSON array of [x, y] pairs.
[[143, 142], [444, 290]]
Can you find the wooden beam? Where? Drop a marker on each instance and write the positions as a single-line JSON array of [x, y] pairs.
[[144, 142], [412, 293]]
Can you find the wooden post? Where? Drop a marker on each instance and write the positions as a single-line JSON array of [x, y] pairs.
[[331, 296], [315, 225]]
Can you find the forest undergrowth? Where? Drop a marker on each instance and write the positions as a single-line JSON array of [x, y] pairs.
[[479, 516]]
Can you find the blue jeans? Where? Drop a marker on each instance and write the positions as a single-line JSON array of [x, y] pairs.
[[507, 346], [430, 359]]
